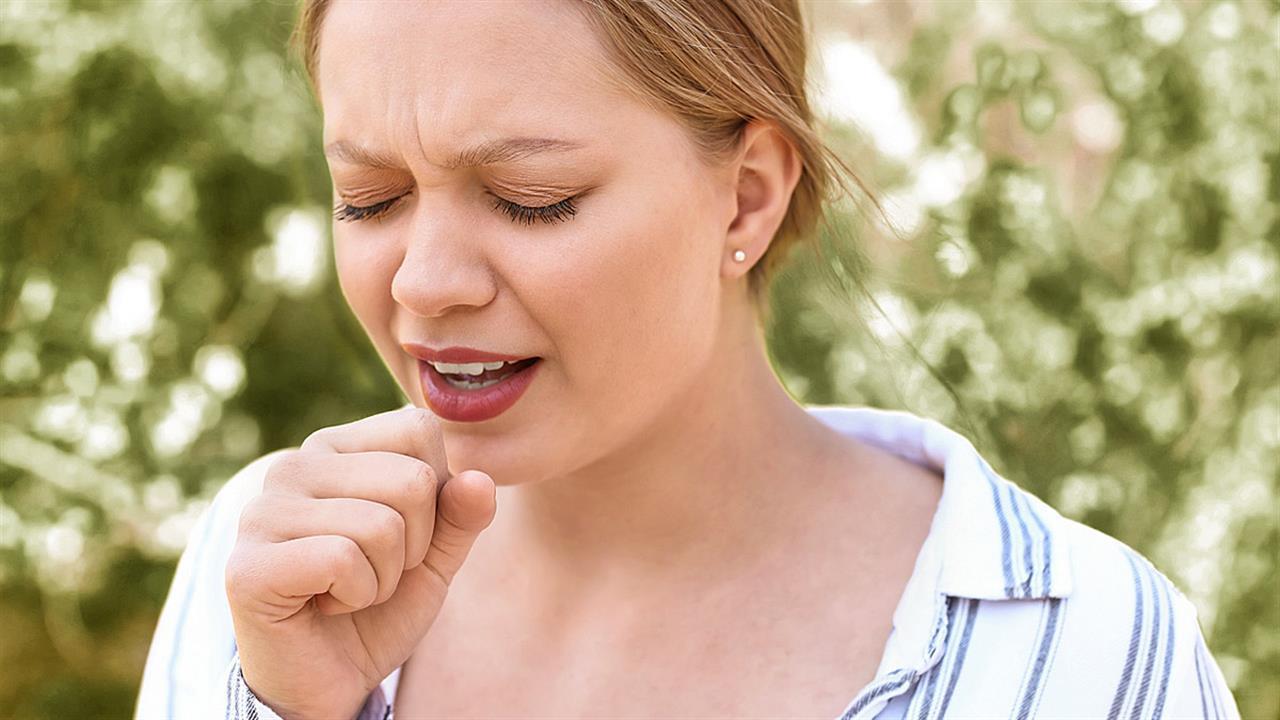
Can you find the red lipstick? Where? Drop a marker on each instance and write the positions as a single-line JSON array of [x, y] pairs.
[[448, 395], [457, 354]]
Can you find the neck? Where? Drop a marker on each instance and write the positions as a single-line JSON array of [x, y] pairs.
[[704, 492]]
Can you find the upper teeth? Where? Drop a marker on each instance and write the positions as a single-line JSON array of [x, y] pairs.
[[466, 368]]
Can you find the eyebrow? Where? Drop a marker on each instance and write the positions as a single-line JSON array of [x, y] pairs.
[[485, 153]]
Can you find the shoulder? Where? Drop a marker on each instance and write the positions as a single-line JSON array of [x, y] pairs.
[[1128, 640], [1056, 618], [1120, 640], [1116, 585], [1113, 590]]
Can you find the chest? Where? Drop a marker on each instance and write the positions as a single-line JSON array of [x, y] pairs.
[[731, 655], [797, 632]]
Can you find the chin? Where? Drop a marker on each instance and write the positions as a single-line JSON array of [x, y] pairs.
[[498, 457], [499, 452]]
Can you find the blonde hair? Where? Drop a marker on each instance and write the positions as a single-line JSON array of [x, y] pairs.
[[714, 65]]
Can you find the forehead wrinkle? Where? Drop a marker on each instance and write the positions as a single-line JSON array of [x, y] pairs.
[[378, 74], [356, 154], [491, 152], [510, 149]]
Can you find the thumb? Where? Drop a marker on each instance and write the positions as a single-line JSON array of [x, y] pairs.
[[465, 506]]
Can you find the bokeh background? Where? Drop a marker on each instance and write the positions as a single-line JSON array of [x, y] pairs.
[[1079, 269]]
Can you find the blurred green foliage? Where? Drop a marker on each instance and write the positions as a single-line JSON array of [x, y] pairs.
[[1081, 273]]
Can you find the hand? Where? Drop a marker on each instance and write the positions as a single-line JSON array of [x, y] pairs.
[[343, 561]]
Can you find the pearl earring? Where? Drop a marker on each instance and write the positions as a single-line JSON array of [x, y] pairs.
[[739, 255]]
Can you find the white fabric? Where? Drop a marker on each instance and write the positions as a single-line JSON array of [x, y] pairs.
[[1012, 611]]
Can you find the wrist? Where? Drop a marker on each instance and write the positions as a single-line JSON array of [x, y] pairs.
[[246, 703]]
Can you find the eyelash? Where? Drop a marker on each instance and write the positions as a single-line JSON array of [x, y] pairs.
[[556, 212], [345, 212], [521, 214]]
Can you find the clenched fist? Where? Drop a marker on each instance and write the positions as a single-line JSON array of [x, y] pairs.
[[343, 561]]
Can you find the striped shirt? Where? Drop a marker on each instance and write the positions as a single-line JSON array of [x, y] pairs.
[[1011, 610]]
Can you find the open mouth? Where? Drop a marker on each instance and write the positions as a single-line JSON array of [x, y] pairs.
[[488, 378], [462, 397]]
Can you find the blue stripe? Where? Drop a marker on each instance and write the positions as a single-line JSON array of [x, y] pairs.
[[952, 605], [1151, 649], [894, 681], [239, 685], [1025, 590], [1047, 637], [250, 705], [1122, 690], [1168, 650], [1006, 550], [899, 678], [926, 703], [1048, 565], [230, 684], [1204, 707], [971, 614], [186, 605]]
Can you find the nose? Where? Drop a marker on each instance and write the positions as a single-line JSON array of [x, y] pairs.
[[443, 267]]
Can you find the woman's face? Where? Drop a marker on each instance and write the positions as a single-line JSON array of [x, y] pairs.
[[622, 300]]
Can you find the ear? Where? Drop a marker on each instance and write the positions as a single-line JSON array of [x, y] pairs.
[[767, 169]]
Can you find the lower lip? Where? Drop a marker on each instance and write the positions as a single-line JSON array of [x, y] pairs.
[[460, 405]]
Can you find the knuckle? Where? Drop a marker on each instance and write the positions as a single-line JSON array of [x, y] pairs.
[[424, 422], [240, 574], [420, 490], [348, 554], [318, 438], [288, 470], [387, 527], [254, 520], [352, 565], [233, 573]]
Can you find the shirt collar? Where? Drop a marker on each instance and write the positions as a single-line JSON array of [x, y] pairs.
[[989, 540], [994, 541]]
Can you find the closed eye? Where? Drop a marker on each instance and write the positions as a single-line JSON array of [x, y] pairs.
[[555, 212], [344, 212], [520, 214]]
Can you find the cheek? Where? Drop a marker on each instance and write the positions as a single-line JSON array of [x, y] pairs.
[[365, 274], [360, 275], [631, 290]]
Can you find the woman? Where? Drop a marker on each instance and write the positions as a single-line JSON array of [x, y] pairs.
[[555, 222]]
